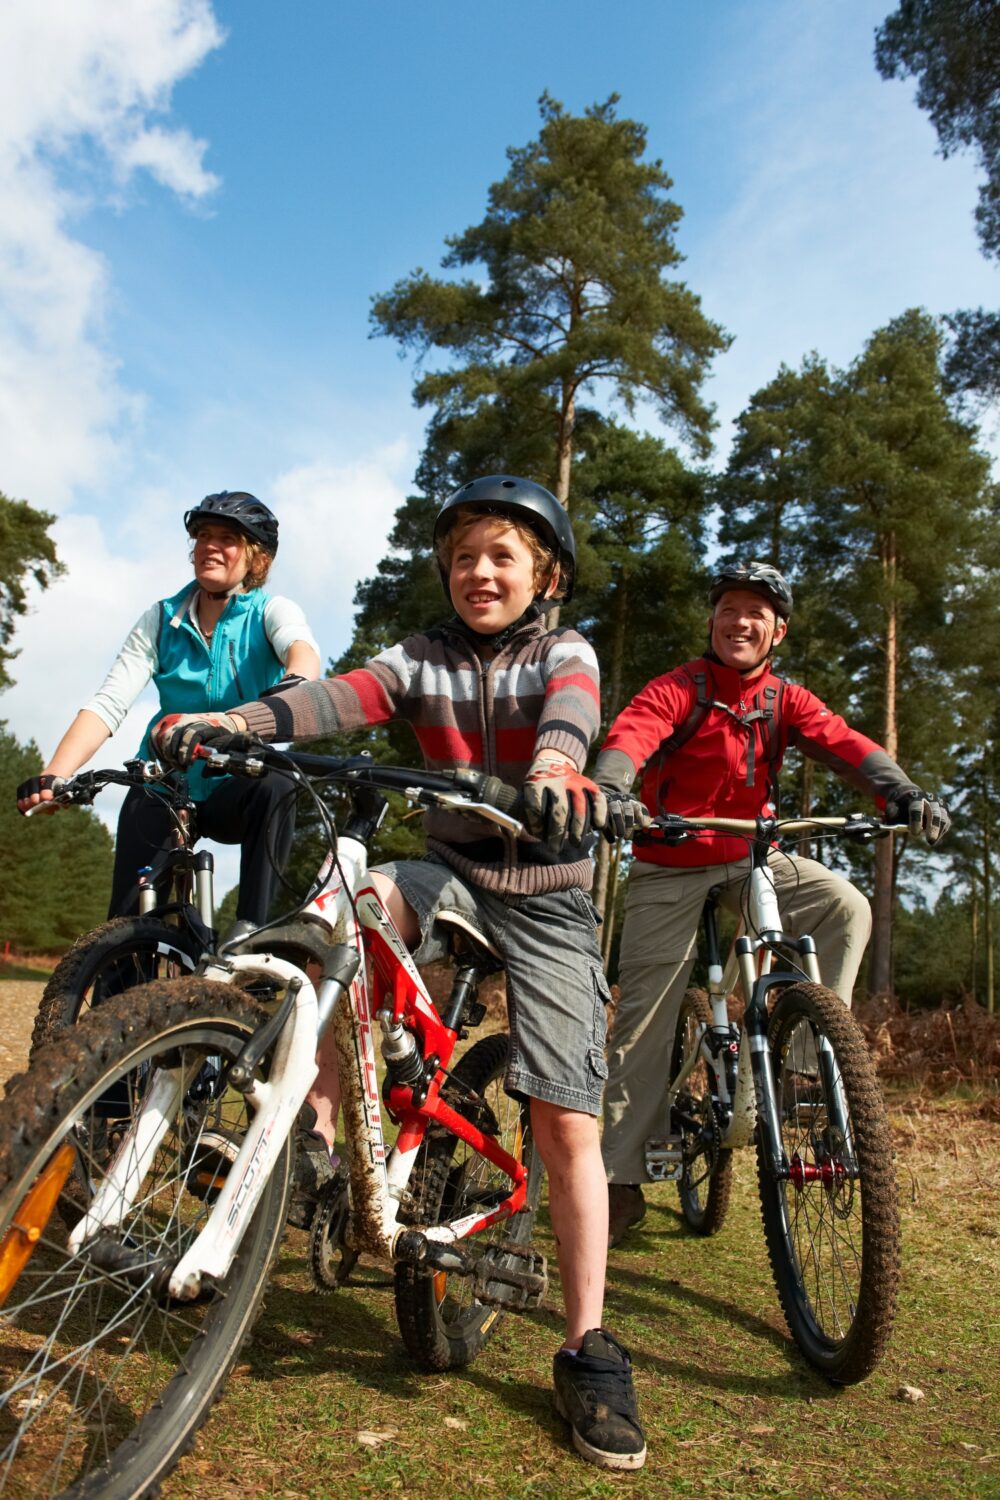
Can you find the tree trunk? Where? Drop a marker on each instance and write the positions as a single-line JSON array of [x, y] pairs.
[[564, 464], [610, 704], [988, 905], [880, 966], [974, 904], [564, 445], [608, 934]]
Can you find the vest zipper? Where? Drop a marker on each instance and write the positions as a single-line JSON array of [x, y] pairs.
[[236, 675]]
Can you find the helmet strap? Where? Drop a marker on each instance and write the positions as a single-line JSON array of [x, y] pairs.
[[498, 641], [711, 655], [237, 588]]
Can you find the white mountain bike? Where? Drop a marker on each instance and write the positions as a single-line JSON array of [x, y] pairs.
[[797, 1081]]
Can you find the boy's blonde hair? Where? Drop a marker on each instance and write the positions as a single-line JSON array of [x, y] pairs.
[[546, 564]]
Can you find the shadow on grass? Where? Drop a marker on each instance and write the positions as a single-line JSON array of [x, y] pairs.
[[352, 1333]]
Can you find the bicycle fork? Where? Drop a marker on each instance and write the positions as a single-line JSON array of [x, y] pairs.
[[275, 1108]]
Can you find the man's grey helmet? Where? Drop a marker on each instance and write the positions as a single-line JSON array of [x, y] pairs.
[[522, 500], [759, 578]]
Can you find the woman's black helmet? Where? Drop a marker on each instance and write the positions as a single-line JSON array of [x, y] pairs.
[[240, 509], [759, 578], [523, 500]]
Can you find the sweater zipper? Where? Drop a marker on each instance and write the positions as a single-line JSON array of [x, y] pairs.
[[489, 760]]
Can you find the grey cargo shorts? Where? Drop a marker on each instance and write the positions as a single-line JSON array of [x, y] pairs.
[[556, 989]]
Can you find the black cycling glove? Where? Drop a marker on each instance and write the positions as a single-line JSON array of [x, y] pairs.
[[926, 815]]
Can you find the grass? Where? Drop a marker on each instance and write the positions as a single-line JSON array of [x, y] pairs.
[[28, 970], [324, 1401]]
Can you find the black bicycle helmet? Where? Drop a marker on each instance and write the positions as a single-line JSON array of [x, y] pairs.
[[523, 500], [240, 509], [759, 578]]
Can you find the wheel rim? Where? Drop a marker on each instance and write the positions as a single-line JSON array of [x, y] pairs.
[[85, 1351], [822, 1202]]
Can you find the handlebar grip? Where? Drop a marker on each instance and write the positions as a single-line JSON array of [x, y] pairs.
[[497, 793]]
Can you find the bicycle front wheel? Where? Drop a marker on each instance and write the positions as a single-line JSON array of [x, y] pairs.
[[117, 956], [105, 1379], [442, 1324], [832, 1227], [706, 1179]]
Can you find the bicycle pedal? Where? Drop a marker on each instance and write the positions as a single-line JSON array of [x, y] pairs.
[[665, 1159], [508, 1286]]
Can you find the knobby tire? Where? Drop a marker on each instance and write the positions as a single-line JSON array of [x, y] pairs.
[[833, 1242], [442, 1325], [117, 956], [706, 1180], [105, 1380]]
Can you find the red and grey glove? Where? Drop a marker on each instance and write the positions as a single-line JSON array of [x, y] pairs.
[[560, 803], [927, 815], [177, 736]]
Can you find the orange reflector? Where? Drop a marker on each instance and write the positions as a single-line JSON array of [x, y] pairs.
[[33, 1214], [440, 1286]]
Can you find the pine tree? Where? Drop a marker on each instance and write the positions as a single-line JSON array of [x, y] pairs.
[[578, 247]]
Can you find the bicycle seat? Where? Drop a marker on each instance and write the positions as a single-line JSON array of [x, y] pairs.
[[466, 941]]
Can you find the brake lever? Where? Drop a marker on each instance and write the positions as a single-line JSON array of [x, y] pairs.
[[454, 803], [228, 762]]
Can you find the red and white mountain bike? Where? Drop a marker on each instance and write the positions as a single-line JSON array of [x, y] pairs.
[[146, 1161]]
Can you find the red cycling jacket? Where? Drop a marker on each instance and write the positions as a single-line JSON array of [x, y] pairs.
[[724, 769]]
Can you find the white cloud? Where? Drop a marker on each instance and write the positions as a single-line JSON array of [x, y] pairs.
[[334, 522], [91, 82]]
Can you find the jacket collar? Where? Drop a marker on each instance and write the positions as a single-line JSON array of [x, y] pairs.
[[520, 630], [729, 685]]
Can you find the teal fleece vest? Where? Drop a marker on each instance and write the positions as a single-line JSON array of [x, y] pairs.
[[192, 676]]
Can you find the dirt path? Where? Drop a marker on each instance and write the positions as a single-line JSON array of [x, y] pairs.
[[18, 1003]]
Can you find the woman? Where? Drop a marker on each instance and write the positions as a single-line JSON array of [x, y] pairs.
[[218, 641]]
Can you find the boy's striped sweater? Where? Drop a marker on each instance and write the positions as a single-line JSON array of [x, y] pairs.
[[539, 692]]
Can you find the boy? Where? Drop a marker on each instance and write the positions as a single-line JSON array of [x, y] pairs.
[[495, 691]]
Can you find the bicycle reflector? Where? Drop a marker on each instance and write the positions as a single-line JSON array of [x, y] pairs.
[[33, 1214]]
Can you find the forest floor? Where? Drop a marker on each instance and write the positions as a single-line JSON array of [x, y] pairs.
[[324, 1400]]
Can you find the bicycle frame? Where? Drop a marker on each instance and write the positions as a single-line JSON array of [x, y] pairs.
[[741, 1070], [416, 1044]]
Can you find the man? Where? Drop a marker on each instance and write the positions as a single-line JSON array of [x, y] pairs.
[[711, 735]]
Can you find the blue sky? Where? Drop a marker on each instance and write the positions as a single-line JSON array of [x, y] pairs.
[[198, 201]]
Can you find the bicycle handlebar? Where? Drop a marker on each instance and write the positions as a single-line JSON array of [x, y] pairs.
[[81, 790], [855, 825], [459, 791]]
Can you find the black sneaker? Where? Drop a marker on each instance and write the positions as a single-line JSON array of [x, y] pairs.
[[595, 1395]]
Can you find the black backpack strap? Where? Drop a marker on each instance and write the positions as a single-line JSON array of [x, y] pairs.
[[769, 715], [693, 722], [696, 717]]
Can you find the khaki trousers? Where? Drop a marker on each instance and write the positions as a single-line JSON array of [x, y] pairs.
[[658, 949]]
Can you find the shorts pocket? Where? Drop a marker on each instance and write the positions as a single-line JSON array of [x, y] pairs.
[[586, 907], [602, 999], [598, 1064]]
